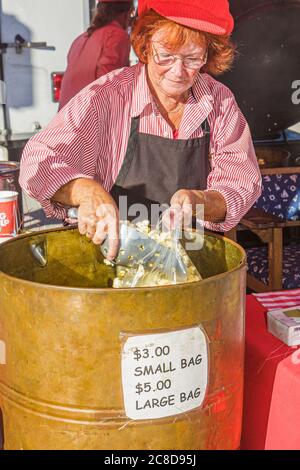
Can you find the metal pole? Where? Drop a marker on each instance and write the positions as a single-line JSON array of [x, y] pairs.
[[6, 131]]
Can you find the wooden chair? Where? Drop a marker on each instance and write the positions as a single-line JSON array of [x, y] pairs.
[[269, 229], [276, 163]]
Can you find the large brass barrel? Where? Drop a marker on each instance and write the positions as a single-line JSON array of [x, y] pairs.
[[62, 336]]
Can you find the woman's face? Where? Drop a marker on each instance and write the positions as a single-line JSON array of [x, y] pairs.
[[175, 79]]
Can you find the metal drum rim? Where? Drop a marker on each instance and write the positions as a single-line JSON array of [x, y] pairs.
[[10, 167], [108, 290]]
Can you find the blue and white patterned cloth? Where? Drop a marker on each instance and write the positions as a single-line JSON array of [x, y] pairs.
[[258, 265], [281, 196]]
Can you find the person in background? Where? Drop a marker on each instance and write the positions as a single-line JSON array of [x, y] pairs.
[[163, 130], [104, 47]]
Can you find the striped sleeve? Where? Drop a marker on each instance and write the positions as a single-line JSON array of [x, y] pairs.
[[235, 173], [66, 150]]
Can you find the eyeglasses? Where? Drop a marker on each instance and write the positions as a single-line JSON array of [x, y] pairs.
[[163, 58]]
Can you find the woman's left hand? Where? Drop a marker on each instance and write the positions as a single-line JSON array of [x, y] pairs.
[[187, 199], [183, 206]]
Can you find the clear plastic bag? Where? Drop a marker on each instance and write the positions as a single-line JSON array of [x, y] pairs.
[[168, 263]]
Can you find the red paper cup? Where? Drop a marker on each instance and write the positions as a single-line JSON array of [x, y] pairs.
[[8, 214]]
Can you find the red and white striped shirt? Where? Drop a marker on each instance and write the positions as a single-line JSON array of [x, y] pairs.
[[88, 139]]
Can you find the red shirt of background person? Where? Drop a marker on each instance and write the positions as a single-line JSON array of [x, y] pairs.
[[104, 47]]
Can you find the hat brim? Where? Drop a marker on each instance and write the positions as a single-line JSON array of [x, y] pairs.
[[200, 25]]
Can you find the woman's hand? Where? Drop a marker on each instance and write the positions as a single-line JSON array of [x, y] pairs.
[[98, 215], [188, 199], [98, 218], [208, 205], [183, 206]]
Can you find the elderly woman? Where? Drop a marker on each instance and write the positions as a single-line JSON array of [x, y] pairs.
[[163, 130]]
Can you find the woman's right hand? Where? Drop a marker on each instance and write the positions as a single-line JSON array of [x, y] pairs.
[[98, 215], [98, 218]]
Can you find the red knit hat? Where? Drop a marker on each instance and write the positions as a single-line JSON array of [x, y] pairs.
[[211, 16]]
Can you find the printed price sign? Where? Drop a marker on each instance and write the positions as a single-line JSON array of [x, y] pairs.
[[164, 374]]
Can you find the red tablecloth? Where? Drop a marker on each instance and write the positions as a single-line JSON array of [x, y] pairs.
[[272, 386]]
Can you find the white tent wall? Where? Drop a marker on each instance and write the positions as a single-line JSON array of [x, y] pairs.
[[26, 96]]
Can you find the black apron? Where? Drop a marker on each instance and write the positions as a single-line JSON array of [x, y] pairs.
[[154, 168]]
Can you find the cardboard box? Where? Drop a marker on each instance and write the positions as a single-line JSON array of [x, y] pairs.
[[285, 324]]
